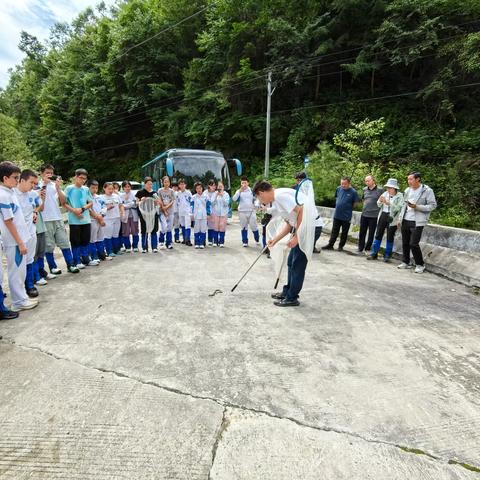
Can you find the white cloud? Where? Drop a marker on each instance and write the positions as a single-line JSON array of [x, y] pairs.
[[36, 17]]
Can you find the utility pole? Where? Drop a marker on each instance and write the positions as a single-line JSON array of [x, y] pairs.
[[267, 133]]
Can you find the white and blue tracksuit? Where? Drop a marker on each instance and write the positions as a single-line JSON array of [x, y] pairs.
[[184, 205], [210, 221], [220, 210], [200, 210], [28, 203], [96, 246], [247, 213]]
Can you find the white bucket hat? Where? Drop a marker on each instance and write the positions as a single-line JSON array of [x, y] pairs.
[[392, 183]]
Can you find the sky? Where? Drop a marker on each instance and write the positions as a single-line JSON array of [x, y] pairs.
[[35, 17]]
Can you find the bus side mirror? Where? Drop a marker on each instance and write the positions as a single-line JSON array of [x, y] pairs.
[[238, 166], [169, 167]]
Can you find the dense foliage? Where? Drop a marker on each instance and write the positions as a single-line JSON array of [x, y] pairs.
[[361, 86]]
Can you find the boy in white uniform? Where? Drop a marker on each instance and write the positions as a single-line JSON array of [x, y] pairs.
[[246, 211], [97, 212], [114, 207], [184, 204], [15, 236], [27, 199], [55, 233]]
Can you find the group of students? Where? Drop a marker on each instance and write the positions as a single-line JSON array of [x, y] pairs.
[[101, 226]]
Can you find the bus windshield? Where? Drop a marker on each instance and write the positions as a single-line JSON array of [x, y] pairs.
[[200, 168]]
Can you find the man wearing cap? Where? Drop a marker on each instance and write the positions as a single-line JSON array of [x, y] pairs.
[[368, 220], [419, 202], [390, 204]]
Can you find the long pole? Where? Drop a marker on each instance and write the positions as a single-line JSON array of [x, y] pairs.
[[267, 133]]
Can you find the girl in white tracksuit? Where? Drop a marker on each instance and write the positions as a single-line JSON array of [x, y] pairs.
[[114, 209], [200, 210], [211, 193], [220, 209], [246, 211], [167, 203], [130, 218]]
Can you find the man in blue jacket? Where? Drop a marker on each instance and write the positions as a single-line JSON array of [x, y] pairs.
[[346, 197]]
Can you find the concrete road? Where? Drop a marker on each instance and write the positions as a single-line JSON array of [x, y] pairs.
[[131, 370]]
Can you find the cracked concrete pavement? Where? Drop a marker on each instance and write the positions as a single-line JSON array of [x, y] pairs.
[[133, 371]]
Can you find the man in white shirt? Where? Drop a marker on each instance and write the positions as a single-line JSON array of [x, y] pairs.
[[285, 206], [55, 234]]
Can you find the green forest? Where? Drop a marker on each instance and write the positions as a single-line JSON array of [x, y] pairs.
[[360, 86]]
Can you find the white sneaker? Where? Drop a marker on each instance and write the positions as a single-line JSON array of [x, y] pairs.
[[108, 258], [123, 249], [245, 245], [419, 268], [197, 246], [404, 266], [55, 271], [80, 266], [211, 244], [42, 281], [27, 305], [202, 247], [51, 276], [144, 251], [93, 263], [135, 250], [155, 250], [221, 245]]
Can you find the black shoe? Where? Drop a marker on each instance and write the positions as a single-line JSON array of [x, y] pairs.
[[85, 261], [188, 243], [373, 256], [287, 303], [278, 296], [316, 250], [327, 247], [32, 292], [43, 273], [102, 256], [177, 240], [339, 249], [387, 259], [8, 315], [267, 252]]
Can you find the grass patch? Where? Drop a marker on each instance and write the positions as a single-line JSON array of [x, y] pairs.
[[464, 465]]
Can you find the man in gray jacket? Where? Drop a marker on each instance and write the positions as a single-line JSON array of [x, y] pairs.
[[419, 203]]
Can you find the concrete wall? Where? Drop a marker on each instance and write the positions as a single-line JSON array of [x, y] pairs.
[[451, 252]]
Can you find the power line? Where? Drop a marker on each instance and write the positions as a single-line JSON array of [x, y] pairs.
[[265, 69], [179, 102], [171, 27], [277, 112]]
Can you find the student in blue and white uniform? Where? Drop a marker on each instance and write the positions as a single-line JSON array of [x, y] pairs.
[[211, 193], [98, 210], [184, 204], [27, 199], [220, 208], [200, 209], [167, 200], [15, 237], [176, 220], [114, 208], [246, 211], [78, 201], [130, 219]]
